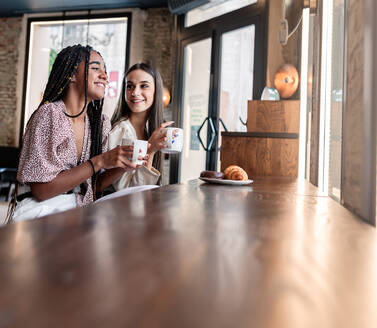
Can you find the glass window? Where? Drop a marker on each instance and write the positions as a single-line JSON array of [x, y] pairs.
[[47, 38], [197, 64], [237, 70], [236, 78], [213, 9], [337, 80], [332, 79]]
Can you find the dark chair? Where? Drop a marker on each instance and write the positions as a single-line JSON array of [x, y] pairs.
[[9, 157]]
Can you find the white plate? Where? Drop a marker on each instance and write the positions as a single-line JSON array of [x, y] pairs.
[[227, 182]]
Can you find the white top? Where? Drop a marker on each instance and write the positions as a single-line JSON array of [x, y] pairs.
[[140, 176]]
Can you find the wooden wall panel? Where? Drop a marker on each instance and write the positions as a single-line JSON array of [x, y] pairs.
[[353, 126], [270, 147], [261, 156], [273, 116]]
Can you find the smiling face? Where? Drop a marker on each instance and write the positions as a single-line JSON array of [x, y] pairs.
[[140, 90], [97, 77]]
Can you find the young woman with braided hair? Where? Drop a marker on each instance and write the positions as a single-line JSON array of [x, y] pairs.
[[64, 158], [139, 116]]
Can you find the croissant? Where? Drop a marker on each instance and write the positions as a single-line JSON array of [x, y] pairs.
[[235, 172]]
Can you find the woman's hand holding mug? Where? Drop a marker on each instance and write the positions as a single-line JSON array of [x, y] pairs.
[[158, 138], [116, 157]]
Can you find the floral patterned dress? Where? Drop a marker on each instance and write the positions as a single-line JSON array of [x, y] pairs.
[[49, 148]]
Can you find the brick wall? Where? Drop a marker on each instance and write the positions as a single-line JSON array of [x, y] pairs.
[[160, 49], [10, 30], [159, 45]]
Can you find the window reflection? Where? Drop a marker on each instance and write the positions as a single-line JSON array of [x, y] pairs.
[[213, 9], [47, 38]]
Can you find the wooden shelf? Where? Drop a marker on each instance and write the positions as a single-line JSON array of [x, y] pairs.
[[270, 147]]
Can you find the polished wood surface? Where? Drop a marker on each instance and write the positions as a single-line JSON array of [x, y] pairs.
[[271, 254], [260, 156]]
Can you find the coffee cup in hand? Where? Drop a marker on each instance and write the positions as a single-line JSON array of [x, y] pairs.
[[174, 140], [140, 149], [127, 142]]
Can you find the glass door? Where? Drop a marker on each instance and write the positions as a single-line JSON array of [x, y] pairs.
[[202, 124], [196, 87], [236, 79], [215, 78]]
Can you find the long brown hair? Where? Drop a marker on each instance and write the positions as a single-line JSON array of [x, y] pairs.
[[155, 112]]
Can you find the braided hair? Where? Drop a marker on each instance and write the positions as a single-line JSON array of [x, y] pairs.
[[155, 112], [63, 69]]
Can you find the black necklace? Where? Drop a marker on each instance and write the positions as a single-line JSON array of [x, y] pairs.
[[74, 116]]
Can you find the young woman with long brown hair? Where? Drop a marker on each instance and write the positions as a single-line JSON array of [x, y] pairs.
[[139, 115]]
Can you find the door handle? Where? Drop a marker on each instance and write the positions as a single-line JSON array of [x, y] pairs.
[[213, 133]]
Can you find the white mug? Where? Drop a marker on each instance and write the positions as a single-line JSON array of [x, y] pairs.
[[174, 139], [127, 142], [140, 149]]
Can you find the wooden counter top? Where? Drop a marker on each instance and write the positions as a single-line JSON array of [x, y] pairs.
[[272, 254]]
